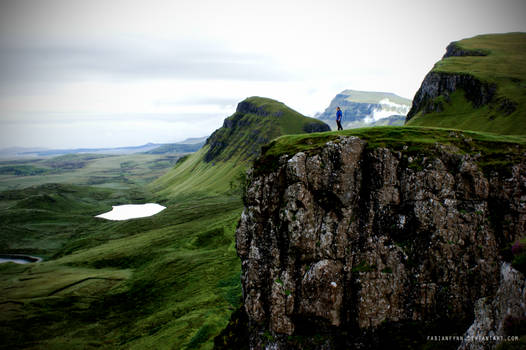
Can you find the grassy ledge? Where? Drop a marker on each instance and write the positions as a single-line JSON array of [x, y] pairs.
[[495, 150]]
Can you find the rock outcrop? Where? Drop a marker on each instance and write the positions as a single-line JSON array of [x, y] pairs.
[[440, 84], [454, 50], [359, 247]]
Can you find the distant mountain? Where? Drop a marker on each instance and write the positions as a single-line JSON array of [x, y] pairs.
[[366, 108], [478, 85], [17, 151], [220, 165]]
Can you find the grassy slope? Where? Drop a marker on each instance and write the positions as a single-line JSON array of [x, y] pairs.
[[193, 177], [505, 66]]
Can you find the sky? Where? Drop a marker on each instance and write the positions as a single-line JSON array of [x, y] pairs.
[[108, 73]]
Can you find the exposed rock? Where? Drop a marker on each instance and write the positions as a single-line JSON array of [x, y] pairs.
[[490, 313], [453, 50], [347, 243], [437, 84]]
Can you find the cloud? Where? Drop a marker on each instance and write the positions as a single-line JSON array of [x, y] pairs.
[[131, 60]]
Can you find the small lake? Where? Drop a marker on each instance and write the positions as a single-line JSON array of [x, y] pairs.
[[19, 258], [132, 211]]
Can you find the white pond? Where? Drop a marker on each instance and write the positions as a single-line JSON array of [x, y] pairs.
[[19, 258], [132, 211]]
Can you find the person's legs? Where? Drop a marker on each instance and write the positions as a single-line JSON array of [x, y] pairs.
[[339, 125]]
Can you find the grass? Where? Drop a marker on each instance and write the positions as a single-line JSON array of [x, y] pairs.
[[195, 177], [143, 283], [496, 150], [504, 66]]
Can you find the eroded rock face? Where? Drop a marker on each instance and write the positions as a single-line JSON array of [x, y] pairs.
[[491, 314], [341, 243], [442, 84]]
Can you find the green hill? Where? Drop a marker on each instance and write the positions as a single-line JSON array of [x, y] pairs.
[[478, 85], [219, 166]]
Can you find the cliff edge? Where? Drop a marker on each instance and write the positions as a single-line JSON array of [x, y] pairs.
[[366, 239]]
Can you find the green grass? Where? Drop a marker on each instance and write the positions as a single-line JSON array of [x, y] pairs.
[[496, 150], [195, 177], [143, 283], [505, 67]]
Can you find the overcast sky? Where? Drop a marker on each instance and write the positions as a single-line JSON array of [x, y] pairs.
[[104, 73]]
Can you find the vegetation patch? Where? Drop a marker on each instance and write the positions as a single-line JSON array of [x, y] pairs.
[[364, 267]]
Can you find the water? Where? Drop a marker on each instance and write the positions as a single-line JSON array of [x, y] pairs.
[[19, 259], [132, 211]]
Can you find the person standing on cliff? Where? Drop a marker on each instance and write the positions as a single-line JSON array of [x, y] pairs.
[[339, 118]]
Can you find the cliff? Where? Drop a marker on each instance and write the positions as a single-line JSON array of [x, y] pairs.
[[478, 85], [366, 108], [382, 237], [257, 120]]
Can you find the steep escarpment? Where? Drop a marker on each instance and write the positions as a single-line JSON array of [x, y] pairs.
[[257, 120], [437, 87], [378, 242], [478, 85]]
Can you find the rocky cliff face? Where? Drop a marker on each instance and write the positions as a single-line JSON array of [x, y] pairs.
[[439, 84], [352, 246]]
